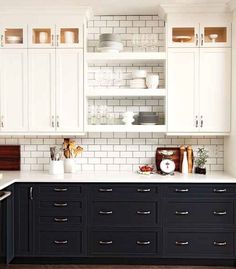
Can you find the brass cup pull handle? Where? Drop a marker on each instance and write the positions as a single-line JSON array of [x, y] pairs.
[[60, 189], [60, 204], [61, 242], [220, 244], [105, 242], [105, 212], [181, 190], [143, 212], [181, 213], [220, 213], [182, 243], [220, 190], [196, 39], [60, 219], [143, 190], [202, 39], [143, 243], [105, 190]]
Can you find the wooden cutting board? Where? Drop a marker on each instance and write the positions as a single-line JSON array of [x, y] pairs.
[[175, 157], [10, 157]]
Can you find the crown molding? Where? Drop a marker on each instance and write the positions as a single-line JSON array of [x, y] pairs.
[[191, 8], [232, 5]]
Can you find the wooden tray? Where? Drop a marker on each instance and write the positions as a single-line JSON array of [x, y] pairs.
[[9, 157], [175, 157]]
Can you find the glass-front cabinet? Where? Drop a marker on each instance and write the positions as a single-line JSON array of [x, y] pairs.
[[199, 35], [14, 36], [55, 36]]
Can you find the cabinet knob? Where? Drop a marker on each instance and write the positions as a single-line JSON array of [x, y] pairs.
[[201, 122], [143, 243], [52, 38], [143, 212], [53, 122], [181, 213], [219, 190], [58, 123], [202, 39], [60, 219], [181, 243], [196, 39], [220, 213], [60, 189], [196, 122], [101, 212], [61, 242], [2, 38], [31, 193], [181, 190], [143, 190], [60, 204], [105, 190], [57, 40]]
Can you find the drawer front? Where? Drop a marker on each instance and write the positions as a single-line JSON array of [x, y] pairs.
[[59, 208], [123, 243], [188, 190], [199, 212], [124, 213], [60, 222], [60, 243], [121, 192], [198, 244], [59, 191]]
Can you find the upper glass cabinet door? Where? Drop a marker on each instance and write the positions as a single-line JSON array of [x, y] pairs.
[[215, 36], [41, 36], [14, 36], [69, 36], [183, 36]]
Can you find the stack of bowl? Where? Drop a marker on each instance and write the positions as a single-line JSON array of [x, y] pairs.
[[148, 118], [110, 43], [138, 80]]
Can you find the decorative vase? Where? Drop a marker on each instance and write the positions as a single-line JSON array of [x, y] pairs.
[[56, 168], [152, 81], [185, 164], [69, 165]]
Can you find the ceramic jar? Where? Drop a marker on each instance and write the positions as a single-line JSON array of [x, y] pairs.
[[152, 81], [69, 165], [56, 168]]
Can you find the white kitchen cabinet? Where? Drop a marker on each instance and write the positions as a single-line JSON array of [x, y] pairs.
[[214, 89], [69, 90], [13, 90], [183, 66], [41, 90], [199, 85]]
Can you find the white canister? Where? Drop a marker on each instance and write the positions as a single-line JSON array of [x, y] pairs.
[[56, 168], [43, 37], [69, 37], [69, 165], [152, 81]]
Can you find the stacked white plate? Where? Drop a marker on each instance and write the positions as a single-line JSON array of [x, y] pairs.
[[139, 79], [110, 43], [14, 39]]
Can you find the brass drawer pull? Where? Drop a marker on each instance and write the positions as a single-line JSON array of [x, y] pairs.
[[181, 190], [143, 190], [220, 244], [60, 219], [220, 213], [184, 243], [181, 213], [105, 242], [105, 190], [220, 190], [105, 212], [143, 212], [60, 204], [60, 189], [143, 243], [61, 242]]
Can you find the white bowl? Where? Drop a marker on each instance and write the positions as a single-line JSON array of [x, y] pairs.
[[14, 38]]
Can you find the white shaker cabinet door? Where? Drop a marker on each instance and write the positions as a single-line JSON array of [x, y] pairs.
[[182, 90], [13, 90], [69, 85], [42, 90], [215, 84]]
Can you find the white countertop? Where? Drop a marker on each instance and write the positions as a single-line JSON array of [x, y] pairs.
[[9, 178]]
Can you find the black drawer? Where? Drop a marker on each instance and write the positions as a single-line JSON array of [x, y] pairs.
[[208, 190], [59, 208], [60, 222], [107, 192], [60, 243], [125, 243], [124, 213], [199, 212], [59, 191], [200, 244]]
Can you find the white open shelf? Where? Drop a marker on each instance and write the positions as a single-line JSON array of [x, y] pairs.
[[126, 128], [125, 92], [122, 57]]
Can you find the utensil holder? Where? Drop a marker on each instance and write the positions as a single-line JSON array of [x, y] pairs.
[[56, 168], [69, 165]]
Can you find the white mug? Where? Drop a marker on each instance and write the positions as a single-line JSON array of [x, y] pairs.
[[152, 81], [69, 37], [43, 37]]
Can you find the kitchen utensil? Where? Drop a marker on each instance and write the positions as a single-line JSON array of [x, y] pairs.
[[43, 37], [152, 81], [213, 37], [175, 157]]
